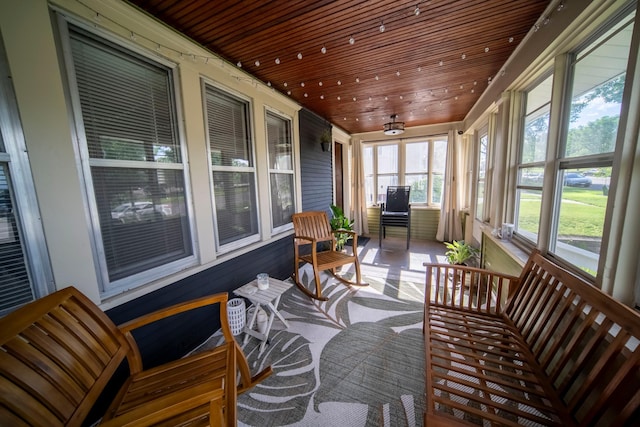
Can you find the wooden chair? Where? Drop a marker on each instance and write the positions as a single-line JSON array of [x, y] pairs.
[[58, 353], [396, 212], [310, 229]]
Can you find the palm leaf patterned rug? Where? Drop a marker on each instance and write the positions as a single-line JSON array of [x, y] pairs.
[[355, 360]]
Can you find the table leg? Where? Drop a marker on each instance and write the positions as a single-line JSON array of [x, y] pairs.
[[250, 322]]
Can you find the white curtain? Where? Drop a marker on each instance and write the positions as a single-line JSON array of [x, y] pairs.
[[450, 225], [358, 205]]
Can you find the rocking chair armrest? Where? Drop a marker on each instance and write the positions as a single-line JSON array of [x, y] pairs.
[[310, 239], [342, 230], [162, 313]]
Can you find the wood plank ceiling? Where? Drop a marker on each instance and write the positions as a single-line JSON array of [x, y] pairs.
[[357, 62]]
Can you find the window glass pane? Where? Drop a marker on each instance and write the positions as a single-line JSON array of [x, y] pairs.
[[531, 177], [15, 286], [281, 198], [536, 131], [438, 185], [235, 196], [387, 159], [228, 121], [417, 158], [536, 123], [580, 222], [419, 184], [528, 203], [367, 159], [142, 217], [383, 182], [126, 102], [481, 177], [279, 140], [280, 160], [128, 114], [439, 156], [598, 84]]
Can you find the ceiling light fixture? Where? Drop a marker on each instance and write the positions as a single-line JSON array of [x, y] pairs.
[[393, 127], [416, 11], [382, 27]]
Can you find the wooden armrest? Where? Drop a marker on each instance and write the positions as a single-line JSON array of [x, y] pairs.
[[166, 407], [342, 230], [174, 309], [310, 239]]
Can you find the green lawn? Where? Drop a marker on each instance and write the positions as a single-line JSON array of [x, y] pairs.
[[581, 212]]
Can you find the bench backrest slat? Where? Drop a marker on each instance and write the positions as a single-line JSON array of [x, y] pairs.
[[586, 342], [56, 358]]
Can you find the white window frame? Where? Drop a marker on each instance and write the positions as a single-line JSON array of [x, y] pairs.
[[271, 171], [401, 166], [243, 242], [22, 190], [109, 288]]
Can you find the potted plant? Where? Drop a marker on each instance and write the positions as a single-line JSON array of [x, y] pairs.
[[340, 222], [325, 140], [460, 252]]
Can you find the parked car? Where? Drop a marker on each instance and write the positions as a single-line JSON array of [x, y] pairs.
[[573, 179], [130, 212]]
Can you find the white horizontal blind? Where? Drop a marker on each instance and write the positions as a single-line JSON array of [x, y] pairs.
[[281, 174], [232, 165], [137, 172], [15, 286]]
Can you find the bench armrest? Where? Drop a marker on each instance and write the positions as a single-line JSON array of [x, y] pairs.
[[471, 288]]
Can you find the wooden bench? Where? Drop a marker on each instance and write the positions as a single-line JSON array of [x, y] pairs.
[[58, 353], [546, 348]]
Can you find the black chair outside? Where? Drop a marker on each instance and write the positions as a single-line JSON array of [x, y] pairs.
[[396, 212]]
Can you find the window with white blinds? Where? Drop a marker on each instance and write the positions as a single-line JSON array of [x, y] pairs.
[[281, 174], [137, 171], [25, 272], [232, 167], [15, 285]]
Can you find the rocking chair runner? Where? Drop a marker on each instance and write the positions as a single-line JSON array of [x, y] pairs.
[[310, 229]]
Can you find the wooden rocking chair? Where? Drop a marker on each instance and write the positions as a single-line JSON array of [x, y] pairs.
[[310, 229]]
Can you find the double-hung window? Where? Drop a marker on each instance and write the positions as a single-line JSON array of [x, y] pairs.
[[232, 168], [281, 173], [585, 158], [419, 164], [532, 155], [133, 161]]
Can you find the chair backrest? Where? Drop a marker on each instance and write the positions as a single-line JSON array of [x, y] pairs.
[[56, 356], [397, 199], [313, 224]]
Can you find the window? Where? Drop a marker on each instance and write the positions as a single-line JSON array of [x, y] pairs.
[[130, 146], [483, 165], [25, 272], [281, 174], [533, 152], [597, 77], [418, 164], [232, 167]]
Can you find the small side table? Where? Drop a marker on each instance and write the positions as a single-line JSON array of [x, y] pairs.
[[269, 298]]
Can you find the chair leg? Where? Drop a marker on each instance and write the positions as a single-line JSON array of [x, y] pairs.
[[408, 235]]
